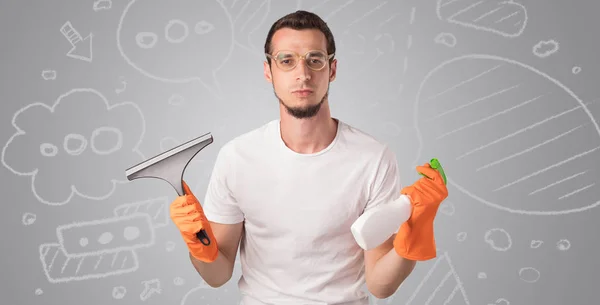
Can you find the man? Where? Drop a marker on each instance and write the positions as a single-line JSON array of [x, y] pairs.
[[287, 193]]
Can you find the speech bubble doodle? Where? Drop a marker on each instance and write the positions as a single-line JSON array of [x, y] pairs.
[[86, 131], [177, 41], [510, 134]]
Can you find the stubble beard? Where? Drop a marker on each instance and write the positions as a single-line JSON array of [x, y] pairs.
[[303, 112]]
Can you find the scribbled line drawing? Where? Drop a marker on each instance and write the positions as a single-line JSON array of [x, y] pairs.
[[529, 274], [504, 18], [28, 219], [100, 5], [576, 70], [247, 17], [134, 232], [449, 105], [176, 100], [447, 208], [536, 244], [48, 74], [443, 276], [26, 119], [447, 39], [157, 209], [493, 238], [61, 268], [151, 287], [119, 292], [209, 32], [501, 301], [105, 247], [123, 85], [545, 48], [178, 281], [81, 48], [563, 245]]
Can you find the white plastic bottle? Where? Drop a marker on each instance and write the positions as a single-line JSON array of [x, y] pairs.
[[376, 225]]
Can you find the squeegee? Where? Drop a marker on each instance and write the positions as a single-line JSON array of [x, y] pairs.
[[170, 167]]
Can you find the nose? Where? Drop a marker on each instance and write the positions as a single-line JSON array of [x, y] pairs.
[[302, 70]]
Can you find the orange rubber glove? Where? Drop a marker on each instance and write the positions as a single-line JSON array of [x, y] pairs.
[[415, 239], [188, 216]]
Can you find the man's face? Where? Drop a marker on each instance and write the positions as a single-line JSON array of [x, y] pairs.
[[301, 90]]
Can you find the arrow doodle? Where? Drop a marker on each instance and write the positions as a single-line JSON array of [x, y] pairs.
[[150, 287], [81, 47]]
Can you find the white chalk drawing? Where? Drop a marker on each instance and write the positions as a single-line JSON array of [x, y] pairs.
[[563, 245], [498, 239], [391, 129], [536, 244], [157, 209], [123, 87], [461, 236], [409, 43], [101, 5], [441, 275], [176, 100], [104, 247], [545, 48], [178, 281], [104, 236], [39, 291], [482, 275], [505, 18], [48, 74], [151, 287], [81, 48], [247, 18], [504, 137], [119, 292], [447, 208], [105, 142], [59, 267], [196, 55], [28, 218], [500, 301], [447, 39], [170, 246], [576, 70], [529, 274], [167, 143]]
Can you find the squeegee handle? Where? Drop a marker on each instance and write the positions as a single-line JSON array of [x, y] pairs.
[[203, 237]]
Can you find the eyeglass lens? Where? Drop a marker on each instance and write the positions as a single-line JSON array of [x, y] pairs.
[[288, 60]]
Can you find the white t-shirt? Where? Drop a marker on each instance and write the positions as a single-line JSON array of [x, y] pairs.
[[298, 208]]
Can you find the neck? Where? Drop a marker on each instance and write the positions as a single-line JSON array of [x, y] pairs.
[[309, 135]]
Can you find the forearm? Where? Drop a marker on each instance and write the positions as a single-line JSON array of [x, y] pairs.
[[215, 273], [388, 274]]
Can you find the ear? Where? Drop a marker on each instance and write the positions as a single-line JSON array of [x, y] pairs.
[[267, 72], [333, 70]]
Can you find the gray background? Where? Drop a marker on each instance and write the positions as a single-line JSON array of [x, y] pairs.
[[505, 94]]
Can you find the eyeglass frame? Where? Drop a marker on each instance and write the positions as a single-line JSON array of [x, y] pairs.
[[300, 57]]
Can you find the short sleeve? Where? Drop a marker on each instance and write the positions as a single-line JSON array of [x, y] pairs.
[[385, 184], [220, 204]]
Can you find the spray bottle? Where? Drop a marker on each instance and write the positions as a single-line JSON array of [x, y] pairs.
[[378, 224]]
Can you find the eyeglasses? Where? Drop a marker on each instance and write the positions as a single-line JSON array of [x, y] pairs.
[[288, 60]]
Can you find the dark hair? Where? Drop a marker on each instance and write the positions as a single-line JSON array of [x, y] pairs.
[[301, 20]]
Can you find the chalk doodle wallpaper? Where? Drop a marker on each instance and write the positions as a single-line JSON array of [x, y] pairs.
[[504, 93]]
